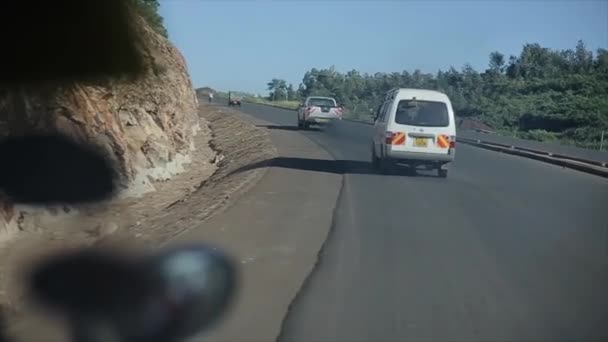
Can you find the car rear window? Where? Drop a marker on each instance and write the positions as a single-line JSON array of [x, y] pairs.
[[422, 113], [316, 102]]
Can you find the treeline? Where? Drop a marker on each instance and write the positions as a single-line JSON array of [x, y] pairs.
[[541, 94]]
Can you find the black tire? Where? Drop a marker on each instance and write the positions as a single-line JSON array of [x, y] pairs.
[[306, 125], [300, 125], [442, 173], [384, 166], [375, 160]]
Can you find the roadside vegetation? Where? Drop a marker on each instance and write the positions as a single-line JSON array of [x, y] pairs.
[[542, 94], [281, 104], [148, 9]]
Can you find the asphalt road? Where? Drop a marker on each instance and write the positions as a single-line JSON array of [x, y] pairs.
[[504, 249]]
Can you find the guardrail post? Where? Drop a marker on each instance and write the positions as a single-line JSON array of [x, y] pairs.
[[602, 141]]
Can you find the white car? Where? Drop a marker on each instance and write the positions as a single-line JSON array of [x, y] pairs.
[[318, 110], [414, 127]]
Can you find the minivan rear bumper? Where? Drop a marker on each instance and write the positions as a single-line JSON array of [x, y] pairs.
[[420, 156]]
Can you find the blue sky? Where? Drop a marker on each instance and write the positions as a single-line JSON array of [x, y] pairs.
[[241, 45]]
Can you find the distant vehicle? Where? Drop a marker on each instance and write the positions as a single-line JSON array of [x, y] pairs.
[[234, 100], [414, 127], [317, 110]]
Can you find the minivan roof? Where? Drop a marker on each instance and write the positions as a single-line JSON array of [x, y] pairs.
[[420, 94]]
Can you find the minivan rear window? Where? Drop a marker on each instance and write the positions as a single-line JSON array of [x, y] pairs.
[[422, 113]]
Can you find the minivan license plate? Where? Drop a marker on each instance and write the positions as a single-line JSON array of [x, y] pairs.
[[420, 142]]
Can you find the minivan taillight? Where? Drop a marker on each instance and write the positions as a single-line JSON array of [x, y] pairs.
[[453, 141], [395, 138]]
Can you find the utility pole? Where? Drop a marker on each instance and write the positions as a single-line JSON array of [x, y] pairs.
[[602, 141]]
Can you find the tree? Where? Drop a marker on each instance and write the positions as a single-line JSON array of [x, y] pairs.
[[583, 57], [497, 62], [277, 88], [601, 62], [291, 93]]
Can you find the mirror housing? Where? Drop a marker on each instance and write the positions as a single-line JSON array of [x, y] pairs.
[[43, 169], [167, 295]]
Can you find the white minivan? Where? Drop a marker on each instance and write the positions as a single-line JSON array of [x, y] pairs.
[[415, 127]]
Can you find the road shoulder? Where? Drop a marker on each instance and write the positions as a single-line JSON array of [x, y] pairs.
[[275, 232]]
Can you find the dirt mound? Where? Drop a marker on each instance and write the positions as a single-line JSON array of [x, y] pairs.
[[180, 204], [148, 126]]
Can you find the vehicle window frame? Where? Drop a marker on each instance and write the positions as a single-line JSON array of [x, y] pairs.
[[384, 111], [379, 113], [447, 114]]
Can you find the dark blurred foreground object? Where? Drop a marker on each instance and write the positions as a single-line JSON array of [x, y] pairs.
[[72, 40], [53, 169], [166, 296]]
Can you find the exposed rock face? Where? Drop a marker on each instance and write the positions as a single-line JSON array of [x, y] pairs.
[[147, 125]]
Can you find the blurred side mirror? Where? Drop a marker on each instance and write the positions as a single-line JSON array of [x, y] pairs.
[[167, 295], [42, 169]]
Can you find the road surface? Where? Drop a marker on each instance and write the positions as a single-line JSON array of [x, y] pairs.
[[504, 249]]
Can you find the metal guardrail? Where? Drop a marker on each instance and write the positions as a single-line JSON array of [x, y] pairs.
[[554, 148], [580, 164]]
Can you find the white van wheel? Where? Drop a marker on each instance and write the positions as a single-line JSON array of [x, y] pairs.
[[443, 173], [375, 159], [384, 165]]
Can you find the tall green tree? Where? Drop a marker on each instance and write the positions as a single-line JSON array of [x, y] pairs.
[[497, 63], [278, 89], [292, 94]]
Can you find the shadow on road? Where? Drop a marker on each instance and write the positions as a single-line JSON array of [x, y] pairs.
[[330, 166], [288, 128]]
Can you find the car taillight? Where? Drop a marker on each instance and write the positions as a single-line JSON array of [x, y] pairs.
[[453, 141]]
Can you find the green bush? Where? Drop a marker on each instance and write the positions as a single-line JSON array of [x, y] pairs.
[[540, 135], [148, 9]]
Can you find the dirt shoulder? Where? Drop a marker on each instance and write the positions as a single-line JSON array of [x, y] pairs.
[[275, 232], [207, 187], [238, 143]]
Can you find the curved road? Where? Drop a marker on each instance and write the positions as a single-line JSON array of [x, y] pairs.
[[504, 249]]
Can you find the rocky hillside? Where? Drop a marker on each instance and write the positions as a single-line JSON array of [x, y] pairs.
[[147, 125]]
